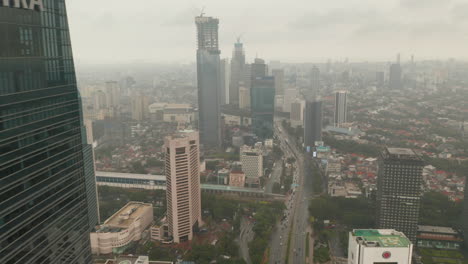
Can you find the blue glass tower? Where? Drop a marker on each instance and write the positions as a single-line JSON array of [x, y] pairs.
[[47, 189]]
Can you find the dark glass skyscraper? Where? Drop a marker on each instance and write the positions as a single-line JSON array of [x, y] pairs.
[[399, 191], [315, 81], [262, 104], [47, 187], [209, 81], [312, 123], [237, 72]]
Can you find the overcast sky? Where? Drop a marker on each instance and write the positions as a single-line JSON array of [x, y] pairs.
[[122, 31]]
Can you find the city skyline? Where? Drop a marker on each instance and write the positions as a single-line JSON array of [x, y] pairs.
[[358, 30]]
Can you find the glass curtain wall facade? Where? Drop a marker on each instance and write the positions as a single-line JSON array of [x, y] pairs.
[[209, 81], [47, 184], [262, 96], [312, 123]]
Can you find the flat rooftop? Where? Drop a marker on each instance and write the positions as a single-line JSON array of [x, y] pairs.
[[401, 154], [437, 229], [127, 215], [130, 176], [401, 151], [382, 238]]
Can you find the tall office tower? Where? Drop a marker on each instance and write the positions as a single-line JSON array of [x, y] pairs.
[[341, 108], [259, 69], [399, 191], [297, 113], [465, 212], [225, 80], [278, 74], [312, 123], [100, 100], [183, 184], [47, 186], [262, 105], [140, 107], [379, 79], [209, 81], [237, 72], [112, 94], [370, 246], [395, 77], [315, 81], [274, 65], [252, 163]]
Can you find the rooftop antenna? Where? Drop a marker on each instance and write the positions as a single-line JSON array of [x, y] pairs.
[[239, 37]]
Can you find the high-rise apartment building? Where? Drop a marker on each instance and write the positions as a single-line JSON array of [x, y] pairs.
[[237, 72], [371, 246], [341, 108], [262, 98], [113, 94], [395, 77], [140, 107], [209, 81], [225, 73], [278, 74], [47, 185], [399, 190], [183, 184], [312, 123]]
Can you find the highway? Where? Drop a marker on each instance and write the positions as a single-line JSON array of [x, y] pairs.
[[297, 213]]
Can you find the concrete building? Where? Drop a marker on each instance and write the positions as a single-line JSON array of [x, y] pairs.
[[399, 190], [341, 108], [237, 72], [252, 162], [312, 123], [237, 178], [183, 184], [122, 228], [370, 246], [278, 74], [262, 105], [209, 81], [140, 107]]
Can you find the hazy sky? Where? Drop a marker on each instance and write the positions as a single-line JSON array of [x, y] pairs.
[[110, 31]]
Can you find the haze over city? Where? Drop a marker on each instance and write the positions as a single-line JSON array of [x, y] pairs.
[[109, 31], [233, 132]]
